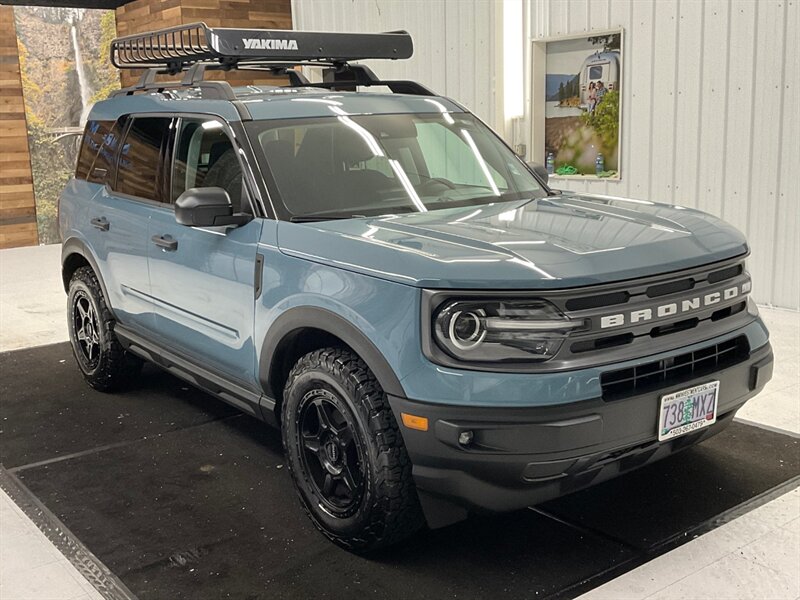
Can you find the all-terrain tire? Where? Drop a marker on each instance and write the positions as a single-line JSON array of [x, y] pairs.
[[106, 367], [388, 510]]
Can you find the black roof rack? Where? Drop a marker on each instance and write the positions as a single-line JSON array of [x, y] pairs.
[[196, 48], [176, 47]]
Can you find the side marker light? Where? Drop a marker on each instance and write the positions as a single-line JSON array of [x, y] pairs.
[[415, 422]]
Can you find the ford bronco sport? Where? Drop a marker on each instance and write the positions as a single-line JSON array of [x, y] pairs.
[[433, 329]]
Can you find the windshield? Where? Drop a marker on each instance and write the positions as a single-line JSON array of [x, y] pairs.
[[344, 166]]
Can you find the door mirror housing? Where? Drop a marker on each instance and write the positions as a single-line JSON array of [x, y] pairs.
[[540, 170], [207, 207]]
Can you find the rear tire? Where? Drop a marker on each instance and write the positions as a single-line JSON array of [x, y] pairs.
[[104, 363], [345, 453]]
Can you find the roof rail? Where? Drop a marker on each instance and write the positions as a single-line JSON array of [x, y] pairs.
[[196, 48]]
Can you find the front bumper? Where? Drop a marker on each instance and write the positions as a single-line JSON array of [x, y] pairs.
[[523, 456]]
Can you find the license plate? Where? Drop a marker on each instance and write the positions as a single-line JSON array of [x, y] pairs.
[[688, 410]]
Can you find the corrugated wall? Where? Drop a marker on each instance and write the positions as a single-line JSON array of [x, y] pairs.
[[453, 41], [711, 99], [711, 115]]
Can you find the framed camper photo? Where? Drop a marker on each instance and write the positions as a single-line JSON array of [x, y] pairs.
[[578, 99]]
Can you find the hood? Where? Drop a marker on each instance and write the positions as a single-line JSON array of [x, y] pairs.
[[556, 242]]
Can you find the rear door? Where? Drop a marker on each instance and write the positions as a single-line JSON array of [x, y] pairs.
[[203, 279], [128, 163]]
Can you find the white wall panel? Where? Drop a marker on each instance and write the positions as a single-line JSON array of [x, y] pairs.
[[454, 42], [786, 280], [688, 112], [710, 115]]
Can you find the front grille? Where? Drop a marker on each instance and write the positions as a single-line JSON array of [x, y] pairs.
[[675, 286], [674, 370], [597, 301], [654, 315], [725, 274]]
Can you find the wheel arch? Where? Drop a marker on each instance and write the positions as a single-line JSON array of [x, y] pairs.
[[74, 255], [288, 339]]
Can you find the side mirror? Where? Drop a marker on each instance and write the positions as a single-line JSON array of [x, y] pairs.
[[206, 207], [540, 170]]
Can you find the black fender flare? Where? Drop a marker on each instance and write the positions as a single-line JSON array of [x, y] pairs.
[[77, 246], [320, 318]]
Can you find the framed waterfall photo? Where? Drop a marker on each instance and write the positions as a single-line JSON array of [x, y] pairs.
[[579, 101]]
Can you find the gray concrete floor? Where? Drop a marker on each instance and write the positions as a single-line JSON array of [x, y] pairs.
[[755, 556], [32, 299]]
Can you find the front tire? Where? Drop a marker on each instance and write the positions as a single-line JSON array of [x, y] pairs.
[[104, 363], [345, 452]]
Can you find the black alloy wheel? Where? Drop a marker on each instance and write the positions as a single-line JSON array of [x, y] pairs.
[[330, 455], [86, 330]]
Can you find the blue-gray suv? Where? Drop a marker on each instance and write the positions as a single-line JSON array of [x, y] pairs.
[[433, 329]]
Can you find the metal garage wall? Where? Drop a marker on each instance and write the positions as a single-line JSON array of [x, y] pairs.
[[454, 50], [710, 115]]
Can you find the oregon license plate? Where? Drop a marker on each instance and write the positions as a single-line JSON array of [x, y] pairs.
[[688, 410]]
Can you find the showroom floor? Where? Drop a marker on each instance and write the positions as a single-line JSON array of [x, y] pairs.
[[748, 550]]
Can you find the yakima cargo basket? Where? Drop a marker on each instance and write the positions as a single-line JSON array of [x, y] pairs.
[[175, 48]]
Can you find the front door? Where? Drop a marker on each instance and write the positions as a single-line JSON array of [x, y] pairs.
[[203, 279]]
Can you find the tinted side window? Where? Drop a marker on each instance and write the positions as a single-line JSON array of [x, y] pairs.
[[96, 157], [139, 165], [205, 157]]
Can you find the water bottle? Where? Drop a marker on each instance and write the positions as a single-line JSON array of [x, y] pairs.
[[599, 164], [550, 163]]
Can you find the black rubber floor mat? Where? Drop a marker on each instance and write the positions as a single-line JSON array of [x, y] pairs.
[[183, 498], [647, 506], [47, 410]]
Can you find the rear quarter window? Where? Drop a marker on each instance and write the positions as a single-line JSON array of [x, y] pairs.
[[96, 156], [139, 163]]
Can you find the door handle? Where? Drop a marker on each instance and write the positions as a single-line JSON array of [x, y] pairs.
[[101, 223], [166, 242]]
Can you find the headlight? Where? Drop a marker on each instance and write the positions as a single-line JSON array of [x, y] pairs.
[[501, 330]]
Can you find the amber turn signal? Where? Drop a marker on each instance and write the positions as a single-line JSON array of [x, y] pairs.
[[415, 422]]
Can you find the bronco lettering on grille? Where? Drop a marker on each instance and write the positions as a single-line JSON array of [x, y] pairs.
[[663, 311]]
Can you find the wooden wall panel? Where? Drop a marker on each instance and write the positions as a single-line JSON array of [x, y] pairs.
[[147, 15], [17, 204]]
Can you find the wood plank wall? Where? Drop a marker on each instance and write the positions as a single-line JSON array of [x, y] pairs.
[[17, 204], [147, 15]]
